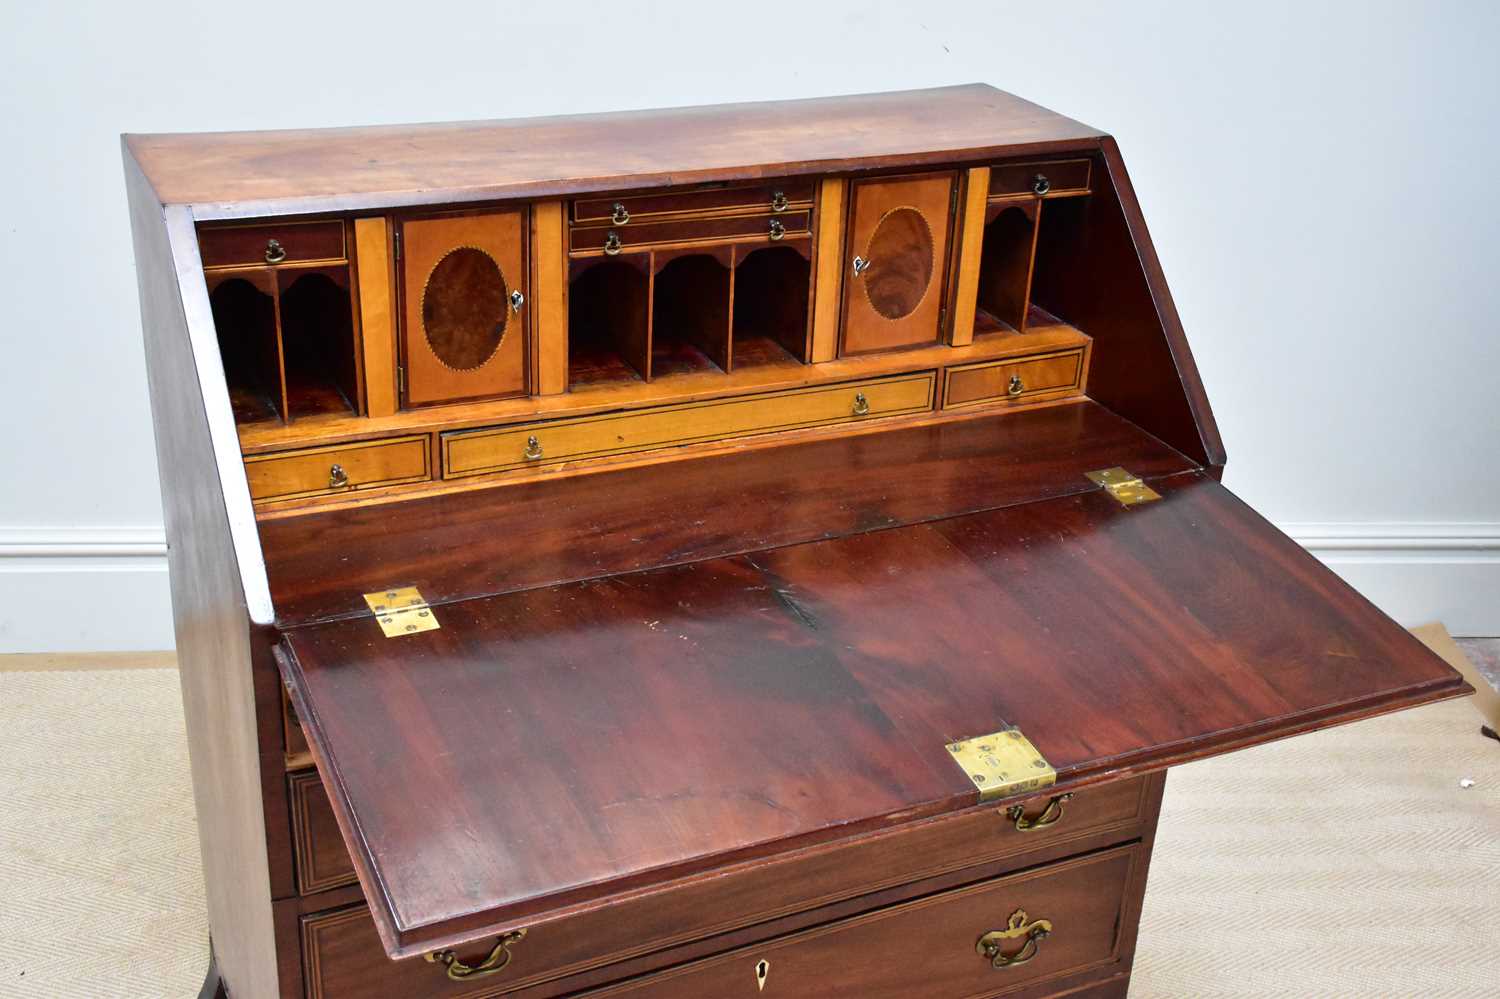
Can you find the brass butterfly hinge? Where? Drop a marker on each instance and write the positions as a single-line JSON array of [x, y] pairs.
[[1124, 486], [401, 611], [1002, 764]]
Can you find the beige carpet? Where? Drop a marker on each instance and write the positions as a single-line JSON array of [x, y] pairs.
[[1346, 863]]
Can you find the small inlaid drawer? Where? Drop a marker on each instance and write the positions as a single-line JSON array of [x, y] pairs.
[[735, 228], [1048, 178], [623, 209], [281, 242], [1019, 380], [318, 471], [322, 858], [474, 452]]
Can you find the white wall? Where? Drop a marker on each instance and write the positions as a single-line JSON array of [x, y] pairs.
[[1318, 179]]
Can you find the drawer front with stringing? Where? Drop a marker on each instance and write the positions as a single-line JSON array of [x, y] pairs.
[[737, 228], [624, 208], [1048, 178], [345, 950], [1015, 380], [322, 859], [323, 470], [281, 242], [535, 444]]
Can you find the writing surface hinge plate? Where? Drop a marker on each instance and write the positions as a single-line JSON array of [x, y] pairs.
[[1002, 764], [401, 611], [1124, 486]]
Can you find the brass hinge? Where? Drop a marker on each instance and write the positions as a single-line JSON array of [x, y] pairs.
[[401, 611], [400, 378], [1002, 764], [1124, 486], [396, 244]]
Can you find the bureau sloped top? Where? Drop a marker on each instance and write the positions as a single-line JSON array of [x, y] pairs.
[[566, 744]]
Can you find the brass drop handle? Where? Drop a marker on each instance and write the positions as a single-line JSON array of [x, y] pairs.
[[498, 960], [533, 450], [517, 300], [1040, 184], [337, 477], [861, 404], [275, 253], [611, 243], [778, 201], [620, 215], [992, 945], [860, 266], [777, 230], [1016, 386], [1050, 816]]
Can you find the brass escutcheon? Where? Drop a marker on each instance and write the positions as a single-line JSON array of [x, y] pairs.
[[1017, 927], [497, 961]]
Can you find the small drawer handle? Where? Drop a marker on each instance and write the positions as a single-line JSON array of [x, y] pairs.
[[1049, 816], [517, 300], [620, 215], [275, 253], [498, 960], [1016, 386], [991, 946], [1040, 184], [778, 201], [860, 266], [861, 404], [777, 230], [533, 450], [337, 477], [611, 243]]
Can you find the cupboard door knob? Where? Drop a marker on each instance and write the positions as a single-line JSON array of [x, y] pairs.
[[777, 230], [778, 201], [516, 301], [533, 449], [497, 961], [621, 214], [1040, 184], [611, 244], [337, 477], [1016, 386], [860, 266], [1050, 816], [992, 945], [861, 405], [275, 254]]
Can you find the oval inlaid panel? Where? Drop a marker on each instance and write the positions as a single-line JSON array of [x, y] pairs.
[[901, 266], [464, 308]]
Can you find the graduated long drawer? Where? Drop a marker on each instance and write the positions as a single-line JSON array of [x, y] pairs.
[[475, 452]]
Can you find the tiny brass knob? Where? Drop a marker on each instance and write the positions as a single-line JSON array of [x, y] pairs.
[[337, 477], [620, 215], [275, 253], [778, 201], [516, 301], [611, 243], [777, 230], [861, 404], [1016, 386], [533, 449], [1040, 184], [860, 266]]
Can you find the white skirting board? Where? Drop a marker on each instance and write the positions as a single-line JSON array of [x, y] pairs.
[[96, 589]]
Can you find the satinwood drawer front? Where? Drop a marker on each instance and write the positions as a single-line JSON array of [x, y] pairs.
[[319, 470], [1018, 380], [534, 444], [322, 859], [280, 242], [623, 209], [738, 228], [345, 957], [1049, 178], [968, 943]]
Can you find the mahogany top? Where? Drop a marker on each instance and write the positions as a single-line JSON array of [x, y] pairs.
[[239, 174]]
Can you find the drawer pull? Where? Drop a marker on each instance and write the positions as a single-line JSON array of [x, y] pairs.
[[497, 962], [1040, 184], [991, 946], [861, 405], [275, 253], [860, 266], [1016, 386], [620, 215], [516, 301], [533, 450], [778, 201], [777, 230], [1050, 816], [611, 243], [337, 477]]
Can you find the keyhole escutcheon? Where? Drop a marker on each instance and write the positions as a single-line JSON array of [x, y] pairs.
[[762, 972]]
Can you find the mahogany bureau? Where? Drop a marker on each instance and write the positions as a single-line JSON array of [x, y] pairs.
[[772, 550]]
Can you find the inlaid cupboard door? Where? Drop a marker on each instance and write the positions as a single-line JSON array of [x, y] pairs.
[[896, 260], [465, 307]]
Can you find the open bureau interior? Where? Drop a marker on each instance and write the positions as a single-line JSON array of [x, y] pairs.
[[709, 545]]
